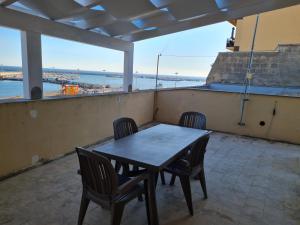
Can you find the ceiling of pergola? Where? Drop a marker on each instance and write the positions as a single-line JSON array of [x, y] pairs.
[[134, 20]]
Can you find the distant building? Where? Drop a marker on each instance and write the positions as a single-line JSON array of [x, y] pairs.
[[275, 28]]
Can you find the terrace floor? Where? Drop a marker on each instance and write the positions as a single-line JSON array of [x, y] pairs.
[[249, 181]]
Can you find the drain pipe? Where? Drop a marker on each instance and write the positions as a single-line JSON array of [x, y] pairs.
[[248, 77]]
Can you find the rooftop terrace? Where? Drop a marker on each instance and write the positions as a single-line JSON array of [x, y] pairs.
[[249, 181]]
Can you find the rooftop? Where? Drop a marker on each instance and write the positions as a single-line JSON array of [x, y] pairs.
[[249, 181]]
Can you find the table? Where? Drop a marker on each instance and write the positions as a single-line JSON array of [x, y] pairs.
[[153, 149]]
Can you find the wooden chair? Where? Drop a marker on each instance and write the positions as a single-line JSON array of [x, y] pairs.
[[195, 120], [102, 185], [124, 127], [191, 166]]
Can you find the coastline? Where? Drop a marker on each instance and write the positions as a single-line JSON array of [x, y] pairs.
[[88, 84]]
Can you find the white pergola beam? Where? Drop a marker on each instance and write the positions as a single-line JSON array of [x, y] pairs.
[[26, 22], [128, 70], [32, 65], [7, 2], [238, 12]]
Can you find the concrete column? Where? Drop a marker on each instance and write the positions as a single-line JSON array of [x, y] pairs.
[[32, 65], [128, 70]]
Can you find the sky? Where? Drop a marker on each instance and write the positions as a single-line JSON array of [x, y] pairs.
[[187, 53]]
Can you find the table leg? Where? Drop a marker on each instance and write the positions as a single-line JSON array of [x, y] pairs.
[[152, 199]]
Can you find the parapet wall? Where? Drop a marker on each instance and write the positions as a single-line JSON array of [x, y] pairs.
[[32, 132], [278, 68], [269, 117]]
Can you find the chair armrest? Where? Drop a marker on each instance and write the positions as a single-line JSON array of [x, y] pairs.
[[127, 186]]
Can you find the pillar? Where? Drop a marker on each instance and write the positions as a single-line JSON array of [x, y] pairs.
[[128, 70], [32, 65]]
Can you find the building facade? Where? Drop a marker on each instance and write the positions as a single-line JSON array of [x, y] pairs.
[[278, 27]]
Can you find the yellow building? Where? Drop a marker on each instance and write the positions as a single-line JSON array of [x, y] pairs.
[[280, 26]]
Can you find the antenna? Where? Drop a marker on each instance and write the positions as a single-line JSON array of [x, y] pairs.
[[248, 76]]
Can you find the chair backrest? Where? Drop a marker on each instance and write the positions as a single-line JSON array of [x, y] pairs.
[[197, 152], [193, 120], [124, 127], [98, 175]]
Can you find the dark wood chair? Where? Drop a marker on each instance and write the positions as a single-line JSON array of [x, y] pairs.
[[195, 120], [102, 185], [124, 127], [192, 165]]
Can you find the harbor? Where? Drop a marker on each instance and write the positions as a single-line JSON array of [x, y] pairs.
[[59, 82]]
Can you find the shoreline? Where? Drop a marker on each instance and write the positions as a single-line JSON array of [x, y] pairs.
[[68, 72], [72, 79]]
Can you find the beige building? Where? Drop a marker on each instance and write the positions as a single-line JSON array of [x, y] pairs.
[[280, 26]]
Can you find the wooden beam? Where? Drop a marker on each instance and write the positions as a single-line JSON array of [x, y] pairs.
[[26, 22], [7, 2]]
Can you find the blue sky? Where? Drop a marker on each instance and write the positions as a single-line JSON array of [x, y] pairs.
[[204, 41]]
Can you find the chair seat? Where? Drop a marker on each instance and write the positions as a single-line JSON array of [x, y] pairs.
[[136, 190], [179, 167], [122, 179]]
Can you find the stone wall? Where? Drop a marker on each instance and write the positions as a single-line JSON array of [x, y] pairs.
[[278, 68]]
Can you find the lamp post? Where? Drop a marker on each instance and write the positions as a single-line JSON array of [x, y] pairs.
[[176, 73], [157, 66], [136, 79]]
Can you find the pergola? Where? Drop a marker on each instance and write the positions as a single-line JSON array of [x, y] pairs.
[[114, 24]]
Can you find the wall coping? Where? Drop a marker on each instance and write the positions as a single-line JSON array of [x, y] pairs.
[[194, 88]]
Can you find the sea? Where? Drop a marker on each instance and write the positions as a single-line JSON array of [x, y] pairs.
[[15, 88]]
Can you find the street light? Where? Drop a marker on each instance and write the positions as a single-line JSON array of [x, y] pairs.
[[136, 79], [176, 73], [157, 65]]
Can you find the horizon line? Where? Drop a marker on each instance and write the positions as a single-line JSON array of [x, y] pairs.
[[106, 71]]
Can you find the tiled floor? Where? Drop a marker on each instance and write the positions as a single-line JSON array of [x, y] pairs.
[[249, 181]]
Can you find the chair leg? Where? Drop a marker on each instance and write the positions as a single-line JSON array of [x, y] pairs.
[[125, 168], [172, 181], [135, 168], [203, 182], [156, 179], [162, 177], [117, 167], [147, 201], [186, 187], [140, 198], [83, 207], [116, 213]]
